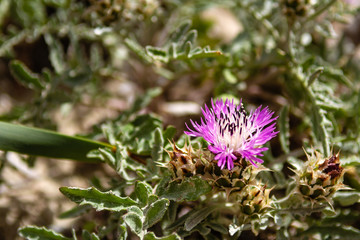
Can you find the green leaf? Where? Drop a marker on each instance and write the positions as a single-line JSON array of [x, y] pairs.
[[295, 163], [35, 141], [342, 232], [315, 75], [178, 222], [22, 74], [57, 3], [4, 10], [338, 75], [196, 217], [202, 229], [320, 9], [180, 47], [229, 76], [172, 211], [190, 189], [217, 227], [108, 130], [151, 236], [79, 76], [200, 53], [96, 57], [98, 200], [189, 39], [163, 184], [143, 190], [152, 198], [346, 198], [56, 54], [136, 210], [155, 212], [343, 216], [284, 129], [73, 234], [75, 212], [157, 53], [30, 13], [187, 49], [172, 52], [328, 103], [107, 156], [144, 100], [169, 133], [318, 120], [233, 229], [350, 161], [157, 150], [124, 163], [134, 221], [122, 232], [138, 50], [40, 233], [180, 31], [308, 63], [326, 29], [89, 236], [141, 136]]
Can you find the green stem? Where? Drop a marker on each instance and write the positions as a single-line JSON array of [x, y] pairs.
[[321, 10], [301, 210]]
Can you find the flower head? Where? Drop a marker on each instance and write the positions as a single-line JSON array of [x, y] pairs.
[[233, 134]]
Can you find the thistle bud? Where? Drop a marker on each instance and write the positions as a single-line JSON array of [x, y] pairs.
[[320, 177], [254, 199], [186, 162]]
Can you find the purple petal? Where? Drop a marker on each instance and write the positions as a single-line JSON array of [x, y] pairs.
[[229, 130]]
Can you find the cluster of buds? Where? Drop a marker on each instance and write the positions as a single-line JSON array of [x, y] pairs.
[[319, 178], [186, 162], [293, 9], [111, 10], [250, 197]]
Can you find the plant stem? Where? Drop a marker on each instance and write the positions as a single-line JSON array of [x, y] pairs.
[[321, 10]]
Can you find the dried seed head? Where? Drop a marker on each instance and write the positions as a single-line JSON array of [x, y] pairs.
[[320, 177], [332, 167]]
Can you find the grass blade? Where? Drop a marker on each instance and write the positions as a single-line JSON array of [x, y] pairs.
[[39, 142]]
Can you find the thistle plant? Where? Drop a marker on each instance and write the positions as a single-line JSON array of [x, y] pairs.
[[235, 139], [118, 88]]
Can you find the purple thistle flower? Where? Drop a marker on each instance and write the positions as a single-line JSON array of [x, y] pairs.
[[232, 133]]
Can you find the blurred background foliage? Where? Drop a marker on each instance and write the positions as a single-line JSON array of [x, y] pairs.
[[122, 71]]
